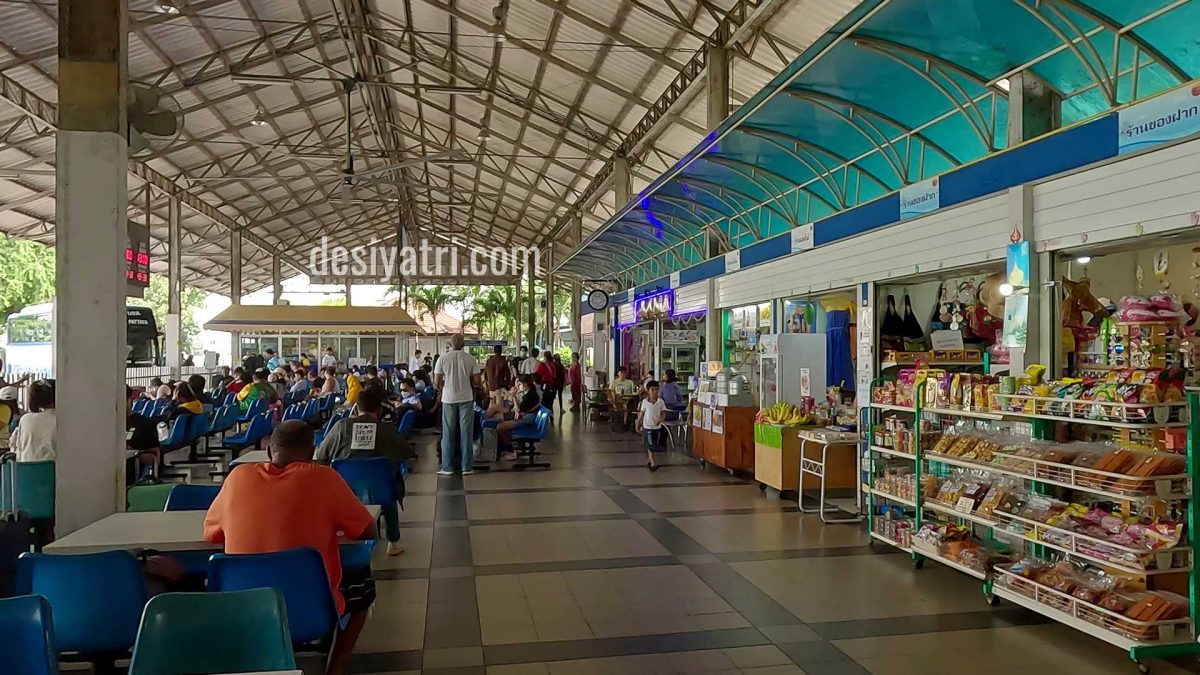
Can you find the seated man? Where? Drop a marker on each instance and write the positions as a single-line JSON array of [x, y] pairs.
[[365, 435], [291, 502]]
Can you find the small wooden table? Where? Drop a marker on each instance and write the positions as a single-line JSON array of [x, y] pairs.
[[826, 438], [159, 530]]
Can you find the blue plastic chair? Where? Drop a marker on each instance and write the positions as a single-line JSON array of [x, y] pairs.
[[407, 422], [27, 636], [257, 407], [35, 487], [312, 410], [230, 399], [159, 407], [97, 598], [292, 412], [191, 497], [235, 632], [326, 403], [198, 427], [525, 440], [370, 478], [298, 573], [259, 428], [223, 419], [177, 437], [356, 555], [139, 406]]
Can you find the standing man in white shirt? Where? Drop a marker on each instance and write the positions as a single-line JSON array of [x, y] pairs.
[[530, 364], [455, 375], [329, 359], [414, 362]]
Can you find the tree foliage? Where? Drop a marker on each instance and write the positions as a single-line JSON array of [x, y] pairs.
[[27, 269], [191, 300]]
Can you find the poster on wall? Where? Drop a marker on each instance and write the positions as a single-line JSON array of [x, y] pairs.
[[802, 238], [1016, 320], [1160, 120], [1018, 264], [799, 316], [920, 198], [733, 261]]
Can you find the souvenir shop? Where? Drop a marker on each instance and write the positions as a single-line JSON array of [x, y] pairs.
[[663, 330], [1063, 480]]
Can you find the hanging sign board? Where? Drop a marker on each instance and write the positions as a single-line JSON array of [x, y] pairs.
[[802, 238], [674, 279], [733, 261], [1162, 119], [920, 198], [946, 340], [137, 259], [657, 305]]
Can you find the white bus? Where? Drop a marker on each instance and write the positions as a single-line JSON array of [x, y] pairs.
[[30, 335]]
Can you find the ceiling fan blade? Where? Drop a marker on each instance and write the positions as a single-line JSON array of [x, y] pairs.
[[273, 80], [344, 194], [143, 98], [281, 151], [434, 158]]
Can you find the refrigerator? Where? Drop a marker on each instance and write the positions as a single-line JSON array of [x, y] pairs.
[[790, 367], [680, 351]]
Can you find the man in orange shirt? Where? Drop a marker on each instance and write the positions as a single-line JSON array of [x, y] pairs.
[[291, 502]]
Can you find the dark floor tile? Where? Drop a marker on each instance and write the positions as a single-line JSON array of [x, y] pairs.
[[625, 646], [932, 623], [518, 491], [550, 519], [462, 670], [628, 501], [450, 507], [755, 606], [753, 556], [570, 565], [671, 537], [822, 657], [384, 662], [405, 573], [727, 512], [452, 613], [451, 547]]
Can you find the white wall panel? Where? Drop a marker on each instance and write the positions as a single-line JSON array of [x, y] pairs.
[[1147, 194], [970, 234], [691, 298], [625, 314]]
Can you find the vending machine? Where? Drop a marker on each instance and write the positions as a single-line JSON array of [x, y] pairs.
[[790, 367]]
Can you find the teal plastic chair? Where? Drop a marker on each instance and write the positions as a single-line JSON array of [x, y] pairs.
[[242, 631], [143, 498], [35, 487]]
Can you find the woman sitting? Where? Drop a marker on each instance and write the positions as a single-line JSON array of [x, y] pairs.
[[258, 388], [527, 407], [34, 438], [184, 402]]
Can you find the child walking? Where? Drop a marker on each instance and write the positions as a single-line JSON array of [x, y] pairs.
[[651, 413]]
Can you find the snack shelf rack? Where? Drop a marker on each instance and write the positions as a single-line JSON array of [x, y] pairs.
[[890, 542], [1092, 549], [891, 498], [1173, 638], [1117, 629]]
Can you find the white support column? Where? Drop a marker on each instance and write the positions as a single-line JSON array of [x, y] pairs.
[[716, 78], [235, 291], [174, 328], [1034, 108], [1040, 344], [620, 180], [551, 324], [276, 280], [91, 233], [577, 288], [517, 316], [712, 324], [349, 293]]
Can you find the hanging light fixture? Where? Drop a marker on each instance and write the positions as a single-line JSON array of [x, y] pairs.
[[167, 7]]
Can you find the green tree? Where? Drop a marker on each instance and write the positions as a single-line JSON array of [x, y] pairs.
[[492, 308], [27, 269], [190, 300], [332, 302], [431, 300]]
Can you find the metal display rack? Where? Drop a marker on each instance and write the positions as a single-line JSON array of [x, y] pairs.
[[1140, 640]]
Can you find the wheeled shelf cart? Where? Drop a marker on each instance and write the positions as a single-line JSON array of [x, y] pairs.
[[890, 503]]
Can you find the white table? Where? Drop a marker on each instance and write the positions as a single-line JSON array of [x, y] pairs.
[[158, 530], [252, 457], [826, 438]]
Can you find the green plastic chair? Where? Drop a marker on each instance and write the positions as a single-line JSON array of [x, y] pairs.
[[147, 497], [35, 487], [199, 633]]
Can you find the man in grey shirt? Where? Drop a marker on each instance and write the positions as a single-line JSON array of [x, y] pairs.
[[364, 435], [455, 376]]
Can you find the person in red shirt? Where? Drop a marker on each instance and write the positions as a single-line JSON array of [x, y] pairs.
[[290, 502], [549, 375], [575, 378]]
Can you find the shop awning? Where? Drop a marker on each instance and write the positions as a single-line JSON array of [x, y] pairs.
[[307, 319], [898, 92]]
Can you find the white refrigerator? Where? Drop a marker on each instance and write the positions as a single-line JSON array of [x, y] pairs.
[[790, 367]]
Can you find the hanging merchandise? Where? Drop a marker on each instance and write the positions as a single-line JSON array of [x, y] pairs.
[[840, 365], [891, 331], [914, 335]]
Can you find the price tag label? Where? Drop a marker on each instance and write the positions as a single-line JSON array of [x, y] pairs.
[[965, 504]]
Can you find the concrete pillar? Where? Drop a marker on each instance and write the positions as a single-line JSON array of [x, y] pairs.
[[1040, 346], [531, 337], [620, 179], [349, 298], [235, 292], [576, 287], [716, 80], [276, 280], [91, 203], [517, 316], [1034, 107], [712, 325], [551, 324], [174, 328]]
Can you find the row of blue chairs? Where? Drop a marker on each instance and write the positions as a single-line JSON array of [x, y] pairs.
[[148, 408], [305, 410], [251, 626]]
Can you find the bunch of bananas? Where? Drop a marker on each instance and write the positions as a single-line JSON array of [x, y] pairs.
[[782, 413]]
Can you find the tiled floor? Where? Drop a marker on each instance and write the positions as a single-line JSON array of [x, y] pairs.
[[599, 566]]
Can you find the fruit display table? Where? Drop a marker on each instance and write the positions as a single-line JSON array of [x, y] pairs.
[[723, 435]]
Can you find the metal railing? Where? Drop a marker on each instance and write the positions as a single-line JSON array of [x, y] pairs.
[[138, 378]]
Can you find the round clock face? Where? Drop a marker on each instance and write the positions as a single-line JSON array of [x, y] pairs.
[[597, 300]]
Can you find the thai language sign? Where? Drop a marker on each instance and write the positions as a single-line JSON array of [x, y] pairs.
[[1162, 119]]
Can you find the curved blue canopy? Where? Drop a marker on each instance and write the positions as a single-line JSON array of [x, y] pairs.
[[897, 92]]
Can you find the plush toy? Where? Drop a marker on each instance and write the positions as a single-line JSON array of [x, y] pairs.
[[1077, 299]]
